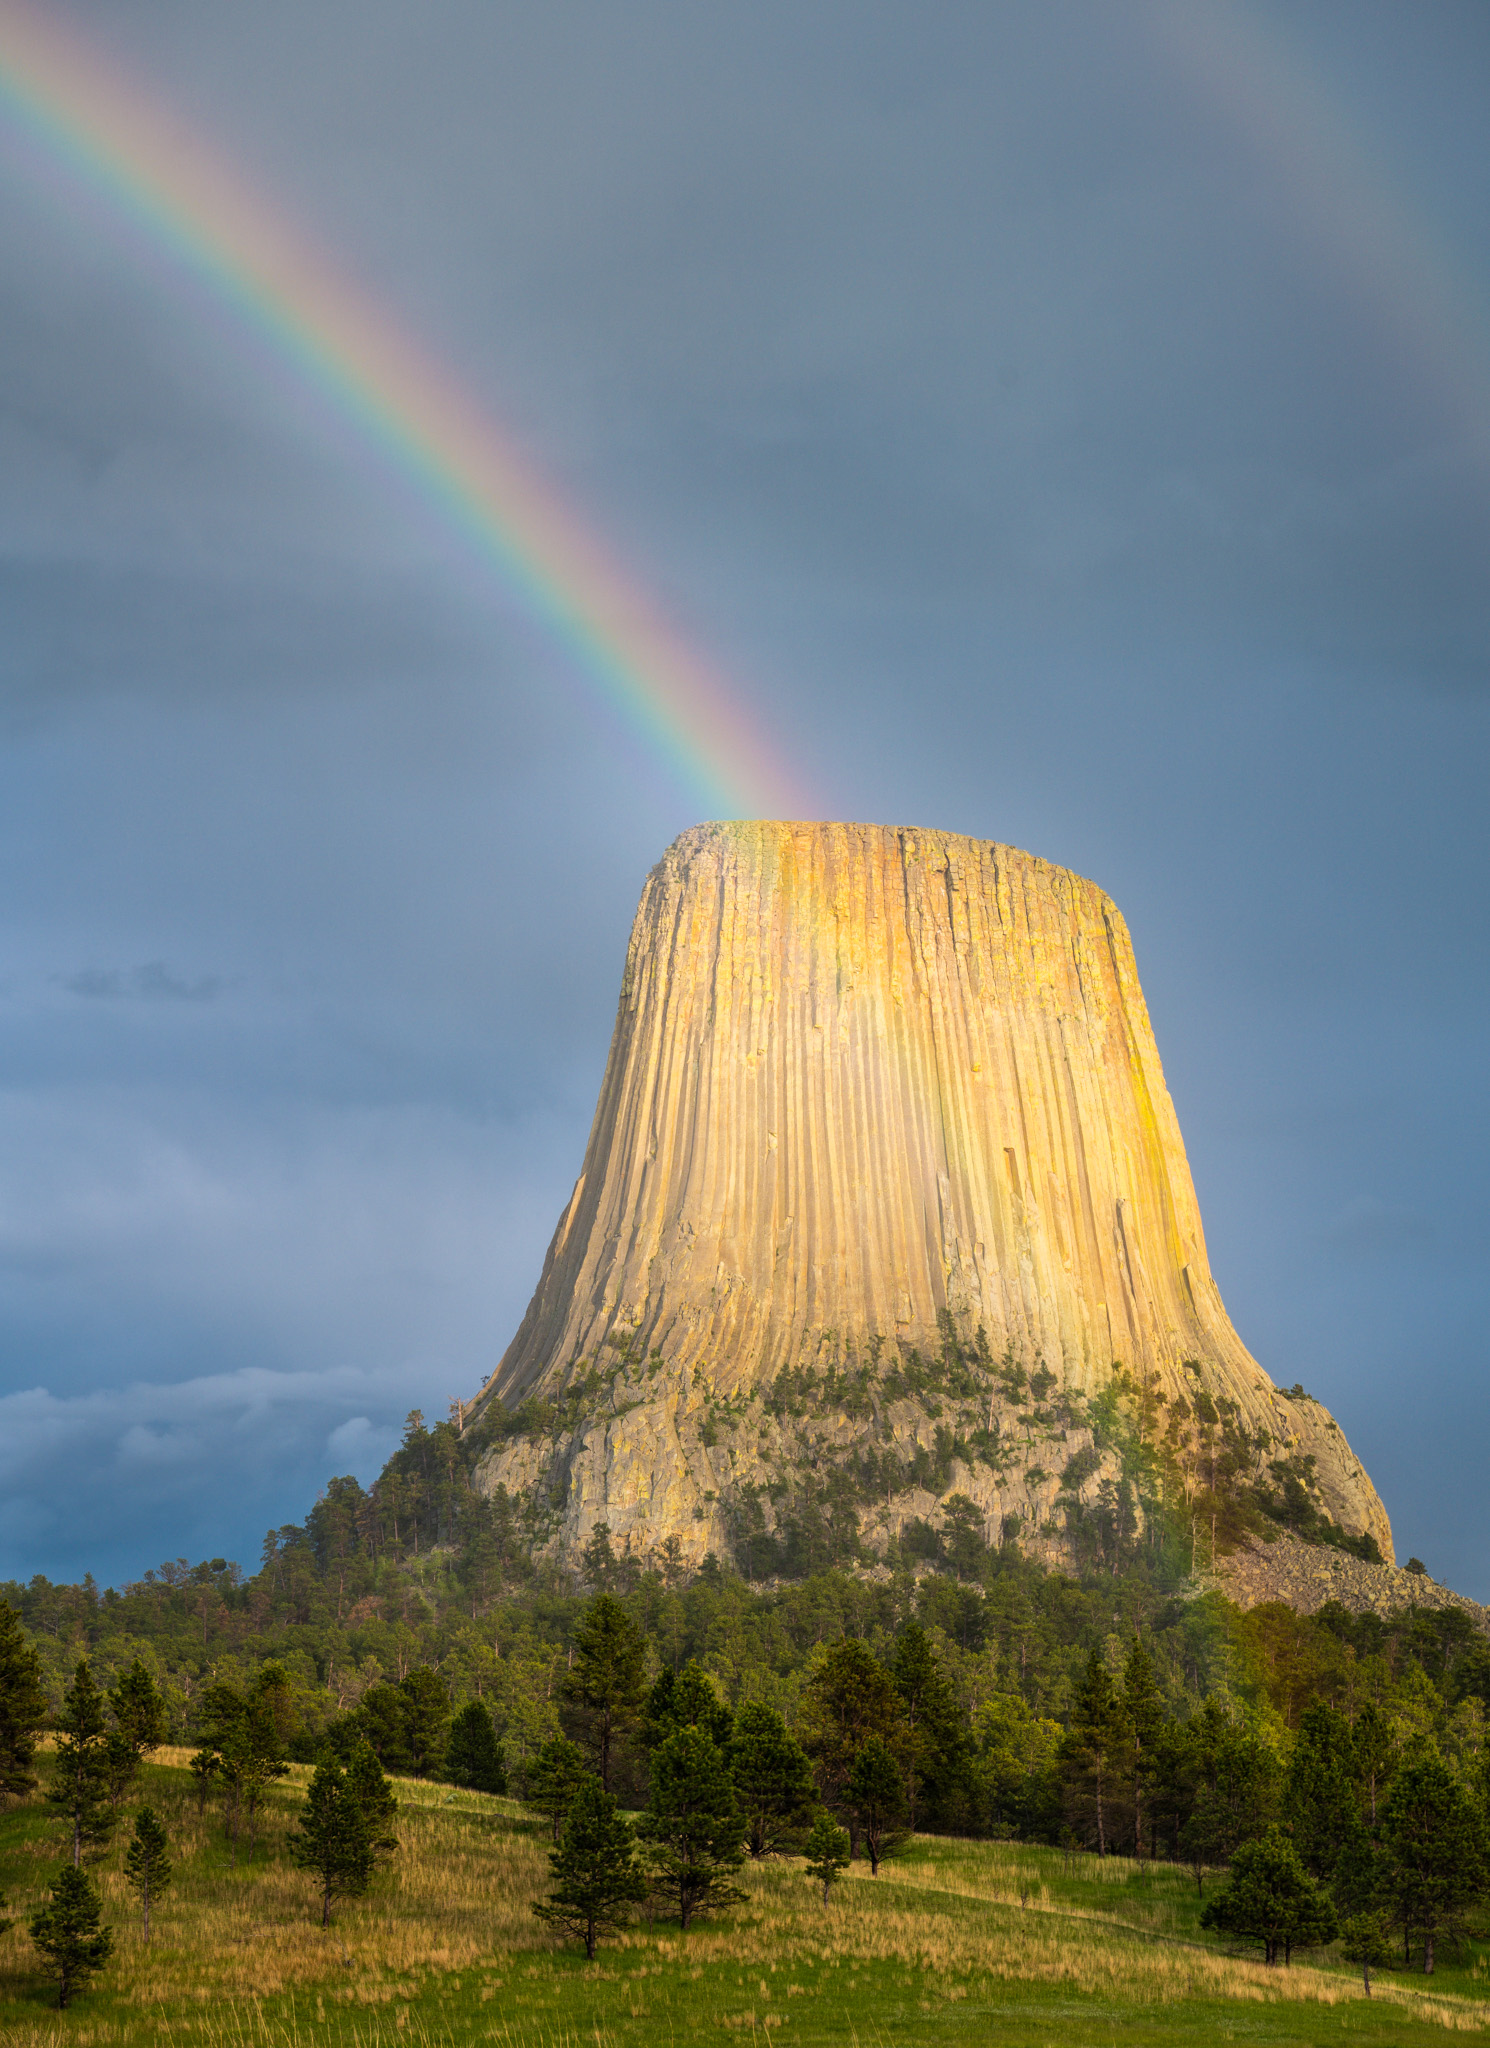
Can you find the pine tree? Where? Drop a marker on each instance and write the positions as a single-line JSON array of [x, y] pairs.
[[1433, 1852], [692, 1829], [121, 1766], [473, 1756], [827, 1853], [772, 1778], [1231, 1788], [1319, 1801], [333, 1838], [426, 1715], [23, 1706], [602, 1692], [685, 1699], [1374, 1747], [80, 1765], [1143, 1709], [248, 1757], [876, 1799], [849, 1697], [554, 1776], [594, 1868], [1097, 1751], [203, 1768], [69, 1932], [368, 1784], [147, 1862], [1271, 1899], [139, 1710], [1363, 1940], [939, 1776]]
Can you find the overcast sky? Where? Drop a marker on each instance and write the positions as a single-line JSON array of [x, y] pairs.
[[1068, 425]]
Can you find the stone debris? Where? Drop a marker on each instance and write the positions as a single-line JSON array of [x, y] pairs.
[[1306, 1575]]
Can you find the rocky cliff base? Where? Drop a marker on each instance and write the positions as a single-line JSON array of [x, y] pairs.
[[1305, 1576]]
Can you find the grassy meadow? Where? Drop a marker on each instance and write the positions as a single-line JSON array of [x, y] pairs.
[[954, 1942]]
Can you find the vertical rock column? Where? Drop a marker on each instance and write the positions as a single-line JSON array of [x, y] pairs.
[[861, 1075]]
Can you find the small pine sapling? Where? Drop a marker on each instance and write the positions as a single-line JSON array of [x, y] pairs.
[[876, 1799], [827, 1853], [473, 1756], [595, 1874], [80, 1767], [140, 1719], [203, 1768], [69, 1932], [692, 1830], [333, 1839], [1363, 1940], [147, 1862]]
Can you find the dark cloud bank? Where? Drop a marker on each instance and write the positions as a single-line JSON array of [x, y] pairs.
[[1056, 443]]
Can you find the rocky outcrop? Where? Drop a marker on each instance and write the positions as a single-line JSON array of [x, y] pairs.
[[883, 1125], [1305, 1576]]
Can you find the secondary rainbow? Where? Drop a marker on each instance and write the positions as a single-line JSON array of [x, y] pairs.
[[101, 129]]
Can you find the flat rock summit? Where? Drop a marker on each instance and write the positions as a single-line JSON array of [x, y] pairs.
[[883, 1166]]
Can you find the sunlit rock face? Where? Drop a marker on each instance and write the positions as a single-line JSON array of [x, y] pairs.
[[863, 1079]]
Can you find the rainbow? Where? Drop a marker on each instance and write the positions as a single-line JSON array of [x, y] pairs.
[[89, 121], [1382, 248]]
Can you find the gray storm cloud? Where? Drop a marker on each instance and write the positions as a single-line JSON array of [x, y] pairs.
[[1064, 425]]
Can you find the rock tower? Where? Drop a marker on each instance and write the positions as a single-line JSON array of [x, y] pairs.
[[873, 1096]]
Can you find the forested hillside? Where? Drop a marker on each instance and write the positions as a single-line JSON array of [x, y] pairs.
[[1111, 1705]]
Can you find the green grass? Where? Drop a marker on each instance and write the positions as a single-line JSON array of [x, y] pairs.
[[954, 1942]]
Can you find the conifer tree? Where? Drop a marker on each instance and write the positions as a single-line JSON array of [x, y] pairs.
[[23, 1706], [1143, 1709], [332, 1838], [426, 1718], [1373, 1746], [827, 1853], [602, 1692], [554, 1776], [249, 1758], [203, 1768], [1433, 1852], [594, 1868], [1363, 1940], [876, 1798], [692, 1829], [1097, 1750], [1271, 1899], [473, 1756], [685, 1699], [772, 1778], [147, 1862], [80, 1765], [849, 1697], [121, 1766], [938, 1776], [1319, 1801], [368, 1783], [69, 1932], [139, 1709]]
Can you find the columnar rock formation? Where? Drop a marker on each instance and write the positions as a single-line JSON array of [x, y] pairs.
[[863, 1080]]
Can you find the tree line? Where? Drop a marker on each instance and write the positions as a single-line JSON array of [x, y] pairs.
[[1339, 1776]]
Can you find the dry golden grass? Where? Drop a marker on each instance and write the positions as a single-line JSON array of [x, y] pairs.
[[445, 1947]]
